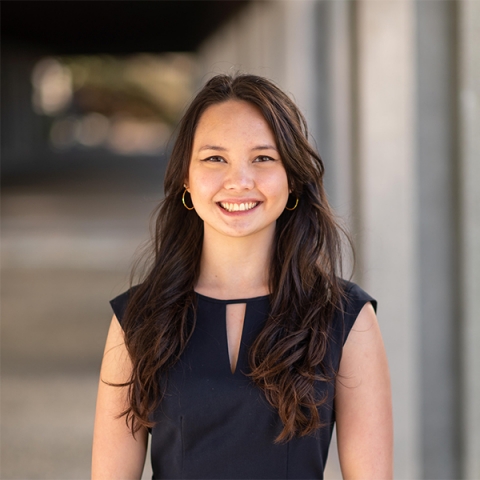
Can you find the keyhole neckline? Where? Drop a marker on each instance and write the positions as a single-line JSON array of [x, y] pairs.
[[234, 300]]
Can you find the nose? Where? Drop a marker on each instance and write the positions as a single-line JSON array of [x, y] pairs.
[[240, 176]]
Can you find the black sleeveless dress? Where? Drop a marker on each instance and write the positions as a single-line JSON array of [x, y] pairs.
[[213, 423]]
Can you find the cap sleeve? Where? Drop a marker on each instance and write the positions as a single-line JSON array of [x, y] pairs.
[[119, 304], [355, 299]]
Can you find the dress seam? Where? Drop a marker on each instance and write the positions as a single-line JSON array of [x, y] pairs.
[[288, 456], [183, 446]]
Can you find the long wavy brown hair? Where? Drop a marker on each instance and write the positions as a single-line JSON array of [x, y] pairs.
[[289, 355]]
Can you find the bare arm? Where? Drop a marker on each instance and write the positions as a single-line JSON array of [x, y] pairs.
[[116, 453], [363, 403]]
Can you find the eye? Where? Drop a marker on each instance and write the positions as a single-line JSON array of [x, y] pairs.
[[264, 158], [214, 159]]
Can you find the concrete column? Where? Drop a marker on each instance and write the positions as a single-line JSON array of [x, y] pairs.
[[469, 128], [251, 42], [334, 112], [300, 58], [322, 41], [438, 240], [387, 187], [338, 107], [341, 106]]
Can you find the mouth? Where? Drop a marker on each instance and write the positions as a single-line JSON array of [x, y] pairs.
[[238, 207]]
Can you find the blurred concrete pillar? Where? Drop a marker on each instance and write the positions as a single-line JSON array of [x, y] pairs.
[[387, 188], [438, 239], [341, 111], [251, 42], [469, 173], [300, 72], [335, 110]]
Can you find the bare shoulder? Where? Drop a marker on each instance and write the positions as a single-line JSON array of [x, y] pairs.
[[363, 402], [116, 453], [116, 365], [365, 338]]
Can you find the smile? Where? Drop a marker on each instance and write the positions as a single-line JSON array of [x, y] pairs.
[[238, 207]]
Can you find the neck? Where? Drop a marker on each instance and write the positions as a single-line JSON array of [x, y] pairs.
[[235, 267]]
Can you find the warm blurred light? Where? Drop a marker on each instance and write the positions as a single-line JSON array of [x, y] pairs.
[[128, 105], [129, 136], [93, 130], [52, 86], [122, 134], [168, 79]]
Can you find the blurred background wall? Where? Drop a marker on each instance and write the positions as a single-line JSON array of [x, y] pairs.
[[91, 93]]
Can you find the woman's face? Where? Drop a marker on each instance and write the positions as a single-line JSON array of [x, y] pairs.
[[236, 178]]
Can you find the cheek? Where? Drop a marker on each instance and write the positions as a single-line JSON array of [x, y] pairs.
[[277, 186], [203, 186]]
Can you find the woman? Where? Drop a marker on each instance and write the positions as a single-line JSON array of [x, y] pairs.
[[237, 350]]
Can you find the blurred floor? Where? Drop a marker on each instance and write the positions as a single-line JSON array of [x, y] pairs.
[[67, 246]]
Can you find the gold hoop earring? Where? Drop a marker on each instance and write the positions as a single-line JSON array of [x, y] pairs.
[[183, 201], [294, 207]]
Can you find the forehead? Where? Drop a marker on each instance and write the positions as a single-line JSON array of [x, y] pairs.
[[231, 120]]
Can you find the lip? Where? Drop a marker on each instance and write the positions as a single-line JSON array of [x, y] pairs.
[[239, 200]]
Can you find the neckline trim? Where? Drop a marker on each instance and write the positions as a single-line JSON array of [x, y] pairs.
[[231, 301]]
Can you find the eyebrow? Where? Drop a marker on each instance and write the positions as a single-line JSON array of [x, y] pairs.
[[212, 147], [223, 149]]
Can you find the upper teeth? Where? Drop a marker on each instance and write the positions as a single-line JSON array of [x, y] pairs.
[[235, 207]]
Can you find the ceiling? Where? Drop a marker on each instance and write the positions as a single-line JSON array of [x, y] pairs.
[[65, 27]]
